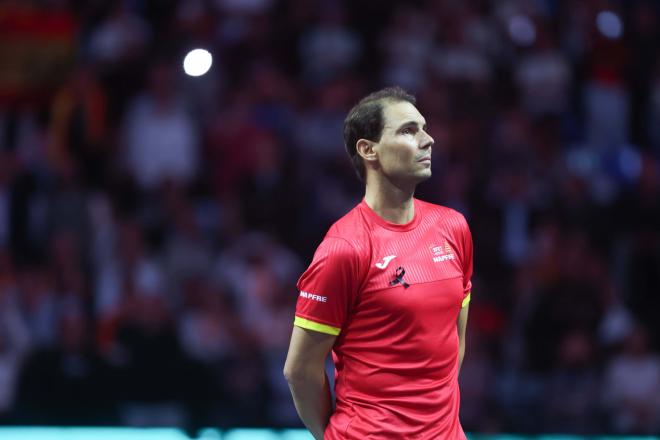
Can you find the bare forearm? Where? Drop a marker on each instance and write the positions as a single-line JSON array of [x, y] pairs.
[[461, 325], [461, 354], [311, 395]]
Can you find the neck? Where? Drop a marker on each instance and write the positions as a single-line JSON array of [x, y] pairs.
[[392, 202]]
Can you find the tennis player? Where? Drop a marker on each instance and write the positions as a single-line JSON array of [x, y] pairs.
[[387, 292]]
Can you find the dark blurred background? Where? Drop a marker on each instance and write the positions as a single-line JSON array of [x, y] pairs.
[[153, 224]]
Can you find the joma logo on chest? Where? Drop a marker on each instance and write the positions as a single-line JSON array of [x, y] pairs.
[[386, 260]]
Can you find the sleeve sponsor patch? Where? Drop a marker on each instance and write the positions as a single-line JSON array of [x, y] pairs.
[[313, 296]]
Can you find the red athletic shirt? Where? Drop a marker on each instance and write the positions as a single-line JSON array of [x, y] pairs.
[[396, 354]]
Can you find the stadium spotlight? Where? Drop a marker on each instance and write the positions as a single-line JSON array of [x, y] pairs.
[[197, 62]]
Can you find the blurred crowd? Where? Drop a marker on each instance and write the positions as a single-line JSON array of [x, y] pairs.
[[153, 225]]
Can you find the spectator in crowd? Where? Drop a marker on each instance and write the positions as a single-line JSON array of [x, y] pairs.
[[79, 127], [632, 385], [64, 383], [161, 140], [330, 47], [573, 386], [14, 336]]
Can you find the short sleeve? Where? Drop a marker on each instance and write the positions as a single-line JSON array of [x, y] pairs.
[[466, 262], [327, 288]]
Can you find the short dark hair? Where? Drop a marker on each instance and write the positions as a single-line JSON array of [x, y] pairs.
[[366, 121]]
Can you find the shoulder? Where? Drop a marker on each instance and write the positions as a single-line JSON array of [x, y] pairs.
[[349, 234], [444, 216], [341, 255], [336, 249]]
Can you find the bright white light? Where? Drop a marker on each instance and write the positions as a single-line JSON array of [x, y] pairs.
[[609, 24], [197, 62], [521, 30]]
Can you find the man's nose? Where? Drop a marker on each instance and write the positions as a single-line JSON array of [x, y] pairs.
[[427, 142]]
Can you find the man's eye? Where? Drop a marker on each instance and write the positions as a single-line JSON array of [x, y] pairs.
[[407, 131]]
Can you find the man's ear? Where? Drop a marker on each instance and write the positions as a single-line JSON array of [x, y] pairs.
[[365, 148]]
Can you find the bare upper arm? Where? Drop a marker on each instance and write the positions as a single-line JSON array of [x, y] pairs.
[[307, 351], [461, 323]]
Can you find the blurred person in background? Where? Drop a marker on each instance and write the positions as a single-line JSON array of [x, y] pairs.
[[120, 37], [642, 245], [161, 140], [40, 304], [79, 130], [631, 388], [410, 36], [210, 334], [322, 166], [186, 253], [63, 383], [144, 346], [259, 271], [15, 337], [387, 291], [572, 389], [606, 99], [543, 78], [330, 46]]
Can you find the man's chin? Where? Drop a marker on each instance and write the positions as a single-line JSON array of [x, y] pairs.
[[424, 175], [407, 180]]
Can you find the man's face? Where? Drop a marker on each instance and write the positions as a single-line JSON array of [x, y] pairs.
[[404, 149]]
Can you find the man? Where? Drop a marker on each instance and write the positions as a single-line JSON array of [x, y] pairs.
[[387, 291]]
